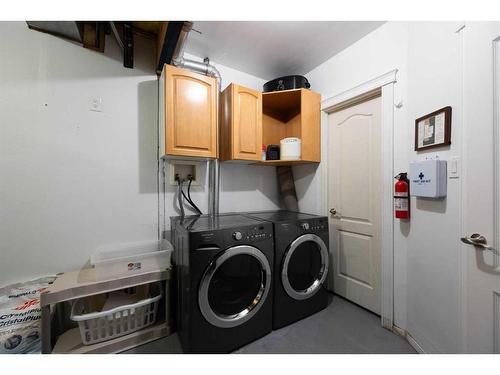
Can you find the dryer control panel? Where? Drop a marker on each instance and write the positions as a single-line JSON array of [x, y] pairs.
[[313, 225]]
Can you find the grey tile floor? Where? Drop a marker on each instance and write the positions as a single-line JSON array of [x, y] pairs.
[[342, 328]]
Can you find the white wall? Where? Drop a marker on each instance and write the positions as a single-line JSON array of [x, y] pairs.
[[71, 179], [243, 187], [434, 270], [427, 56]]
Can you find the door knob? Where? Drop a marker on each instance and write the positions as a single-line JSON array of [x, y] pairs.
[[333, 211], [478, 240]]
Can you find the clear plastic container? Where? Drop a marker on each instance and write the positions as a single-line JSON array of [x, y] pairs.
[[132, 258]]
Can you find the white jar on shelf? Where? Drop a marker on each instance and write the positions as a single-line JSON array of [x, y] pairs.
[[290, 148]]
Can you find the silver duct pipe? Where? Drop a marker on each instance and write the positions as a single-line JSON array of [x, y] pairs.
[[286, 185], [199, 67], [211, 71]]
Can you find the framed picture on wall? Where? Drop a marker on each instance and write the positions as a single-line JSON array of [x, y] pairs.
[[433, 130]]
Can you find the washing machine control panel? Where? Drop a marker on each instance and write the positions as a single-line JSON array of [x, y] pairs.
[[251, 234]]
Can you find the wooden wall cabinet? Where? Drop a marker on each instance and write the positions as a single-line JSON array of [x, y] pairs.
[[293, 113], [240, 124], [250, 119], [188, 114]]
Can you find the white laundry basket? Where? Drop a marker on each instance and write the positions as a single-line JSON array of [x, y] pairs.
[[114, 322]]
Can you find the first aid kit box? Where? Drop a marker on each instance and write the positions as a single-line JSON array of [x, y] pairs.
[[428, 178]]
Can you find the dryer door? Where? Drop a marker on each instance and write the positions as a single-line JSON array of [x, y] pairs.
[[305, 266], [234, 286]]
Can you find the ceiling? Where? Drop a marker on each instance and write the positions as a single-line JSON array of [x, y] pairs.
[[269, 49]]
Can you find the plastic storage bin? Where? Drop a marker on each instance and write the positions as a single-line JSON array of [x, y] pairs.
[[132, 258], [116, 319]]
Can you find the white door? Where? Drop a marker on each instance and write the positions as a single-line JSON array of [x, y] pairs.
[[354, 201], [481, 193]]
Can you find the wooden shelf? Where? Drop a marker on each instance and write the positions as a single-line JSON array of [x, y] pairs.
[[293, 113], [278, 163], [70, 342]]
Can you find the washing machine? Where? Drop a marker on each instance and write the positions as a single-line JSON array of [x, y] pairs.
[[300, 264], [223, 271]]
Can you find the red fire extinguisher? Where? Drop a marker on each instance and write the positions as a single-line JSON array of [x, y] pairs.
[[402, 197]]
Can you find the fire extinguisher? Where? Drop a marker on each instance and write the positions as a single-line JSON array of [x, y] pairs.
[[402, 197]]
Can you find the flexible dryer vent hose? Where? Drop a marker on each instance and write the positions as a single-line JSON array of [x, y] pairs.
[[286, 187]]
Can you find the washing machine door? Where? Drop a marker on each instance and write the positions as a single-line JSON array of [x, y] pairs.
[[234, 286], [304, 267]]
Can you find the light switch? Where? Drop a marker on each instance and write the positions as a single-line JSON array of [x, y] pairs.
[[454, 167]]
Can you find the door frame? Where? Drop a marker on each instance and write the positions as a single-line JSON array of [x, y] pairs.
[[382, 86], [496, 166]]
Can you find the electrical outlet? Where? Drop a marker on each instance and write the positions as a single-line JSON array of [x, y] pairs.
[[96, 104]]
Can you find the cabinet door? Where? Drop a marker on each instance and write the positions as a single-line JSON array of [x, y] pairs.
[[247, 123], [191, 113], [310, 118]]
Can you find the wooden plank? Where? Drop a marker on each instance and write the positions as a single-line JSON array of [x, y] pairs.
[[226, 123], [166, 51], [93, 36], [148, 27], [277, 163], [160, 41], [128, 46]]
